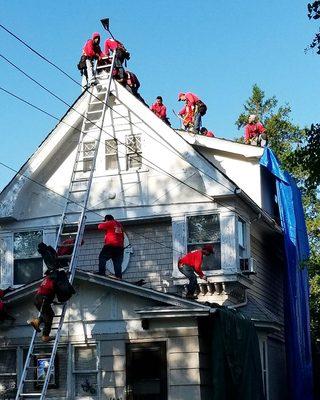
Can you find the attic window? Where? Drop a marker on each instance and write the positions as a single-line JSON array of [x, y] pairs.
[[111, 154], [204, 229], [88, 154], [28, 264], [134, 155]]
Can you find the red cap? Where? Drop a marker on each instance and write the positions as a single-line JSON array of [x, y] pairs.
[[208, 248], [179, 96]]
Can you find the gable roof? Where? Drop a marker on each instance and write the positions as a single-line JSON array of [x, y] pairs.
[[166, 299]]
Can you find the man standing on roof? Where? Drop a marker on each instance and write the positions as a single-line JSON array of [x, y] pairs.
[[254, 132], [194, 108], [91, 52], [43, 299], [113, 246], [190, 264], [122, 55], [159, 109]]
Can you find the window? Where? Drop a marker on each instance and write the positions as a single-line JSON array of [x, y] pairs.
[[134, 157], [8, 373], [264, 366], [88, 154], [146, 371], [205, 229], [28, 264], [242, 238], [85, 371], [111, 154]]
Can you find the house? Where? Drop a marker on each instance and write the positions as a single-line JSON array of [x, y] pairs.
[[173, 192]]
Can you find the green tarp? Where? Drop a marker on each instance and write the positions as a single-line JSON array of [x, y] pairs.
[[236, 366]]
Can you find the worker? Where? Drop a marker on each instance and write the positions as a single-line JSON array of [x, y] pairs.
[[191, 264], [122, 55], [159, 109], [92, 52], [113, 246], [4, 315], [204, 132], [43, 299], [194, 109], [65, 250], [49, 256], [254, 132]]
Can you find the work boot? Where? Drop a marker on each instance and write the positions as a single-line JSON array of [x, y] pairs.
[[35, 323], [47, 339]]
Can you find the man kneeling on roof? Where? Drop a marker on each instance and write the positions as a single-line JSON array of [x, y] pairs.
[[192, 112], [113, 246], [190, 264], [254, 132]]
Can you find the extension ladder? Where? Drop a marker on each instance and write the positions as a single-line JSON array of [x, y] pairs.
[[72, 222]]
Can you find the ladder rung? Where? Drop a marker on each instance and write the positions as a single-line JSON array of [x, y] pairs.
[[30, 394], [97, 102], [78, 190], [94, 112], [31, 380], [67, 234], [80, 180]]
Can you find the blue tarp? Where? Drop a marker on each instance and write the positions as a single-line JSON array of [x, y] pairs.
[[296, 300]]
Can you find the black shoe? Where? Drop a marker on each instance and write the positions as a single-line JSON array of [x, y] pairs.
[[140, 282], [101, 273]]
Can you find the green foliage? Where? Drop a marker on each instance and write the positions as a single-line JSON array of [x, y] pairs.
[[299, 153]]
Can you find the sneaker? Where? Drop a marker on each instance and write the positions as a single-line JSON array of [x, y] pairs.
[[113, 277], [47, 339], [35, 323]]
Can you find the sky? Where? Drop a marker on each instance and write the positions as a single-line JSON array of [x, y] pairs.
[[215, 48]]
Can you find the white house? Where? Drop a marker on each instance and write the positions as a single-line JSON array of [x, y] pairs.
[[173, 192]]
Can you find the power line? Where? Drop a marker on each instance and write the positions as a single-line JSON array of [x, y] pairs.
[[61, 70]]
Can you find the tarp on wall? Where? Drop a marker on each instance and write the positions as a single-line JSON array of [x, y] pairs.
[[296, 301]]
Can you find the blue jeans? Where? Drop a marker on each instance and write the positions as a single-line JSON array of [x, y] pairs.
[[197, 122], [188, 271]]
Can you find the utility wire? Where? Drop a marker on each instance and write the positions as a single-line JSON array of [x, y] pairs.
[[61, 70]]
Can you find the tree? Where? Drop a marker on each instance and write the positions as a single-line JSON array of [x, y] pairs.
[[314, 13], [298, 152]]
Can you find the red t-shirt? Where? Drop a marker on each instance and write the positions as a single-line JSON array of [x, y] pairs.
[[1, 306], [194, 260], [160, 110], [114, 235], [253, 130], [47, 287]]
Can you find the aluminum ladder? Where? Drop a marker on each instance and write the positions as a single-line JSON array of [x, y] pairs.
[[72, 223]]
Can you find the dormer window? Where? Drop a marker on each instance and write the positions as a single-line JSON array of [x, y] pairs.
[[242, 238], [202, 229]]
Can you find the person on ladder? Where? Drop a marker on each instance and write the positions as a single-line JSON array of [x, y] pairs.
[[43, 299], [91, 52], [122, 55], [113, 246]]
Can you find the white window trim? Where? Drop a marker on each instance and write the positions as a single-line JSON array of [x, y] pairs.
[[73, 372], [263, 347], [247, 253]]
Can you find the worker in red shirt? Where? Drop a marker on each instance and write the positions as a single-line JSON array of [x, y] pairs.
[[43, 300], [194, 107], [92, 51], [159, 108], [204, 132], [254, 132], [122, 55], [191, 264], [113, 246]]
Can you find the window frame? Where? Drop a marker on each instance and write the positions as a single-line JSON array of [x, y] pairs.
[[75, 373], [200, 244], [24, 258], [263, 347], [244, 247], [111, 154], [136, 152], [87, 160]]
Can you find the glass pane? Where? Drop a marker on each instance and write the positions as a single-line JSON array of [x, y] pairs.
[[26, 244], [26, 271], [111, 146], [7, 361], [8, 386], [87, 165], [241, 233], [134, 161], [203, 229], [133, 143], [88, 149], [111, 162], [85, 358], [86, 385], [211, 262]]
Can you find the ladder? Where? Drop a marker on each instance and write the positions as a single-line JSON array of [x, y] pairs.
[[72, 223]]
